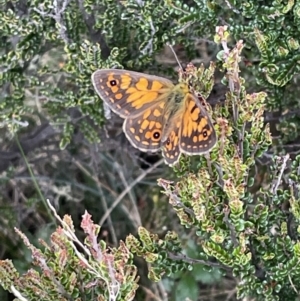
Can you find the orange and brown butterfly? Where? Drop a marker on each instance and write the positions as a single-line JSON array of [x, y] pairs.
[[157, 113]]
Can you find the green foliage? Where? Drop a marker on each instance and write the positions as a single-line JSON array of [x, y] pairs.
[[62, 272], [216, 202], [49, 49]]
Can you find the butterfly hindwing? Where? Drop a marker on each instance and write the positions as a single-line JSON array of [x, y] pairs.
[[170, 145], [145, 131]]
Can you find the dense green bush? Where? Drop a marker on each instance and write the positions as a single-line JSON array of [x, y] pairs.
[[232, 216]]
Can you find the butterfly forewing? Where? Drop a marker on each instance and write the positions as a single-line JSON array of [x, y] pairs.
[[130, 93], [197, 134]]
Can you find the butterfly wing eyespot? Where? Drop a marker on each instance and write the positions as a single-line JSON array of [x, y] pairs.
[[130, 93], [197, 133]]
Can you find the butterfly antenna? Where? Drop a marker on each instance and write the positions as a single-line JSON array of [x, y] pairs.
[[175, 56]]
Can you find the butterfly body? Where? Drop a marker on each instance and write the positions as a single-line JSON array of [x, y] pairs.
[[157, 113]]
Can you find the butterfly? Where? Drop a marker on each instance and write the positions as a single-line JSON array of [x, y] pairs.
[[158, 114]]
